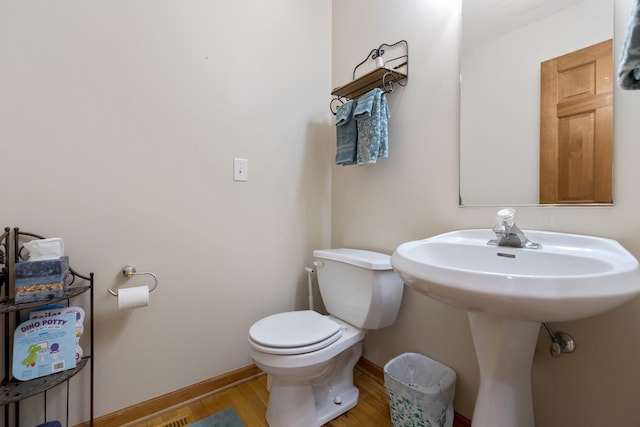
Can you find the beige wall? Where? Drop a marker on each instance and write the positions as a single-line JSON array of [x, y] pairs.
[[118, 125], [414, 194]]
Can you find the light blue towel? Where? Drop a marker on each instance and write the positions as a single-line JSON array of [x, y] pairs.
[[372, 114], [346, 134], [629, 69]]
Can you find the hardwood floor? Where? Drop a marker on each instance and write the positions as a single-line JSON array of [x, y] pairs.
[[250, 402], [245, 389]]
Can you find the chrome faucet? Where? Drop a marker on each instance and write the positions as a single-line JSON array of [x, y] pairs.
[[508, 233]]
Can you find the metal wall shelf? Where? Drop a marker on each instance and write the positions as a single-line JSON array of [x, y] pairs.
[[386, 74], [380, 77], [12, 391]]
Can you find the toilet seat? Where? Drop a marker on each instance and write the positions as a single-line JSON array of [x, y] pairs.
[[294, 332]]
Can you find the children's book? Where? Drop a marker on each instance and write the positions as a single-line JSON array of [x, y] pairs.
[[44, 346], [56, 310]]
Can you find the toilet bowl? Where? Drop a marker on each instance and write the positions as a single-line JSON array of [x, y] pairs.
[[296, 378], [310, 357]]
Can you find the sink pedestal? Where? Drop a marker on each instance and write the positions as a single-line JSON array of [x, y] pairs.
[[505, 349], [571, 277]]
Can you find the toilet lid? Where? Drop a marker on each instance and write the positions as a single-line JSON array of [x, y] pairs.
[[294, 332]]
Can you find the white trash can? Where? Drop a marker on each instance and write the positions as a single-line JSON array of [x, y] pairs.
[[420, 391]]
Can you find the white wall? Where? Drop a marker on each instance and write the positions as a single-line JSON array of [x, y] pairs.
[[118, 125], [414, 194]]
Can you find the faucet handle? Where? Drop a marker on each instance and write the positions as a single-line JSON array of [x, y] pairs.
[[506, 218]]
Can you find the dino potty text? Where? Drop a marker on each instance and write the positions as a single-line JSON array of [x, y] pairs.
[[44, 346]]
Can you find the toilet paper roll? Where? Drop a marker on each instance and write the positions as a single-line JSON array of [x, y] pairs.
[[137, 296]]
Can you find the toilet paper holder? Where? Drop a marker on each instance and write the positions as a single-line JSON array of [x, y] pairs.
[[129, 271]]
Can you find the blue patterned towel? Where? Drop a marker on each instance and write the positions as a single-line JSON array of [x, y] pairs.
[[346, 134], [372, 114], [629, 70]]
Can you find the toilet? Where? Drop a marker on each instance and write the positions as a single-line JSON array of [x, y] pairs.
[[310, 357]]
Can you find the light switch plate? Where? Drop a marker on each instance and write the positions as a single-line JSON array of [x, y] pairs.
[[240, 170]]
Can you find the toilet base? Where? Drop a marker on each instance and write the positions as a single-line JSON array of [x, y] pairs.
[[329, 410], [313, 402]]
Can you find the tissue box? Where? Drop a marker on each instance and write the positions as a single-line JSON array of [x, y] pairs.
[[40, 280]]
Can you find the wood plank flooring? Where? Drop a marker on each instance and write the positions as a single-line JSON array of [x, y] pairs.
[[247, 393], [250, 402]]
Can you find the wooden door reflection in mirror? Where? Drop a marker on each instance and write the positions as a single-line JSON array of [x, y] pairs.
[[576, 126]]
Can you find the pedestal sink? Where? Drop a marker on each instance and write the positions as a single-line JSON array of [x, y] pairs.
[[509, 292]]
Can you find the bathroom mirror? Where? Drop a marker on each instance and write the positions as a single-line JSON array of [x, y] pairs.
[[503, 44]]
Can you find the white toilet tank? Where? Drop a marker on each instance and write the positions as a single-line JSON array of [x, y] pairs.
[[359, 287]]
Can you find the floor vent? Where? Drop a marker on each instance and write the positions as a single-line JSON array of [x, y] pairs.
[[180, 422]]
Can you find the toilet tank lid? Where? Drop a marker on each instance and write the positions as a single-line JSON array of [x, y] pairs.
[[361, 258]]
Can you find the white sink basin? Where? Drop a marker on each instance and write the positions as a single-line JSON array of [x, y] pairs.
[[571, 277], [509, 292]]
